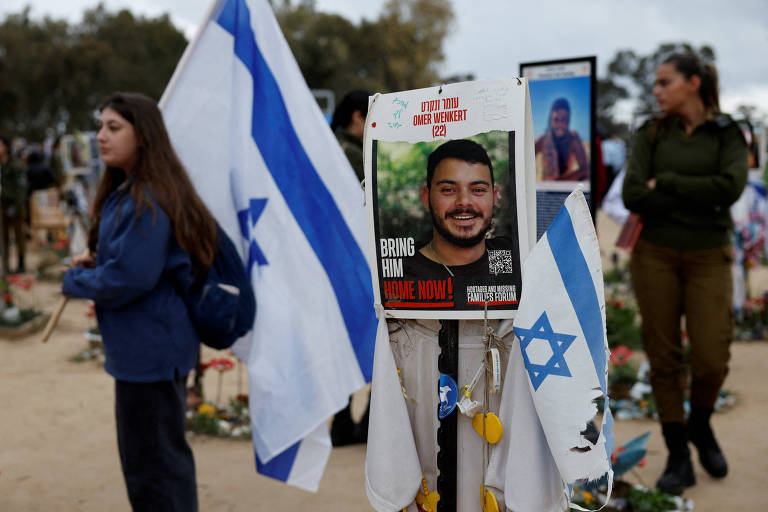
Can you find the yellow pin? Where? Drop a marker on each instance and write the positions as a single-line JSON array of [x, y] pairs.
[[493, 428], [427, 501], [489, 503]]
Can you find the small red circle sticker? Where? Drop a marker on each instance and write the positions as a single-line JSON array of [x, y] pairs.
[[373, 125]]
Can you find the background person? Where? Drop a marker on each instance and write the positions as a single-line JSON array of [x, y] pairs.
[[560, 152], [348, 123], [39, 175], [686, 168], [56, 163], [614, 156], [13, 199], [150, 231]]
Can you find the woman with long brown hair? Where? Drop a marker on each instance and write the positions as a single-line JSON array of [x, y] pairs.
[[686, 168], [151, 232]]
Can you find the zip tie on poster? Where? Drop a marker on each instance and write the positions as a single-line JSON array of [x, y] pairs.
[[493, 359], [495, 364]]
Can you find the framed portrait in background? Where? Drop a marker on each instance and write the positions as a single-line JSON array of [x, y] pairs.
[[563, 108]]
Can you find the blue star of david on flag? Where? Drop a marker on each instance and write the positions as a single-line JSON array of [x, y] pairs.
[[248, 219], [558, 342]]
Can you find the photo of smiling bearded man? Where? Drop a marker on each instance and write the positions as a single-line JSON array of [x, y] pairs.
[[460, 196]]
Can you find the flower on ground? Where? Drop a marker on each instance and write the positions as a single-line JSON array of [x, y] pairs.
[[207, 410], [615, 455], [23, 281], [221, 365], [60, 244], [621, 355]]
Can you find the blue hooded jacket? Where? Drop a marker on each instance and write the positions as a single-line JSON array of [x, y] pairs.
[[147, 332]]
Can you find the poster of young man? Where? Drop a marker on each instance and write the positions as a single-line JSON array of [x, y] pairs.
[[563, 106], [449, 194]]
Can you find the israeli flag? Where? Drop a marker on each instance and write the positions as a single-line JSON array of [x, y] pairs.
[[561, 328], [264, 160]]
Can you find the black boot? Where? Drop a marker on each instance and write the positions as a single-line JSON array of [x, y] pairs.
[[361, 429], [21, 268], [343, 428], [678, 473], [702, 437]]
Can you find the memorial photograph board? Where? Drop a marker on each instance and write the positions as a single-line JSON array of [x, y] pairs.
[[446, 178]]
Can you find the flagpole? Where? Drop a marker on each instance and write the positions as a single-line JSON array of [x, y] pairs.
[[187, 53], [447, 433]]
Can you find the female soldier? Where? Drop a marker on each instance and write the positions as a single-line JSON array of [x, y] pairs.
[[686, 168], [150, 232]]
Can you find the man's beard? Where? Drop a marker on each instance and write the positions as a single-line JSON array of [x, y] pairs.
[[464, 242]]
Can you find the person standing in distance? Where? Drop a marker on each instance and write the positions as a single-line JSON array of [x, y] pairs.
[[13, 201], [348, 124], [150, 234], [687, 167]]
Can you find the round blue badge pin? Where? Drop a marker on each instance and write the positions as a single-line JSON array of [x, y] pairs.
[[448, 391]]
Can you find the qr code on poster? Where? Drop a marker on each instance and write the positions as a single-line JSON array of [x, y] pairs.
[[500, 262]]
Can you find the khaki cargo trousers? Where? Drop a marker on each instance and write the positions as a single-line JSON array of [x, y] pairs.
[[697, 284]]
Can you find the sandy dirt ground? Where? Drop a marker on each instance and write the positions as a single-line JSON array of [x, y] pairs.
[[58, 449]]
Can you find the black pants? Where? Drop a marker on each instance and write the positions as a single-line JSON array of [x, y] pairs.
[[157, 462]]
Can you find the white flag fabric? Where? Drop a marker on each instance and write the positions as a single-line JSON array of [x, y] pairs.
[[402, 439], [267, 165], [561, 328]]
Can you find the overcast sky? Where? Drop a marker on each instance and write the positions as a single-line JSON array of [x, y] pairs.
[[491, 37]]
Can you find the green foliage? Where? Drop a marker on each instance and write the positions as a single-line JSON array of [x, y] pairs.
[[622, 325], [622, 374], [204, 424], [232, 421], [616, 275], [640, 70], [239, 408], [400, 50], [609, 93], [53, 75], [650, 500]]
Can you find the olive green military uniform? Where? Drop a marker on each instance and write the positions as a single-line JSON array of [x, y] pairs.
[[353, 148], [682, 263]]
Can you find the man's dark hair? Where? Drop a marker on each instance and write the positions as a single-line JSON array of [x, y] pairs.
[[460, 149], [6, 142], [353, 100]]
